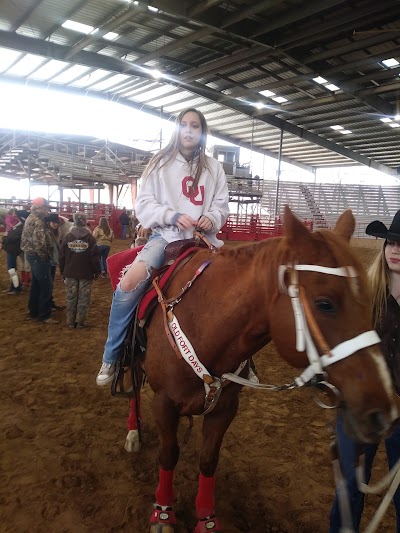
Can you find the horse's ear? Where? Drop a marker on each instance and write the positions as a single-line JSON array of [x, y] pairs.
[[295, 230], [345, 225]]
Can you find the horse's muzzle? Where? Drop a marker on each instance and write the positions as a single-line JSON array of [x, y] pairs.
[[370, 428]]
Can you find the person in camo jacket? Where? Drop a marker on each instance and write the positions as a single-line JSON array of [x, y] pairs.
[[79, 262], [36, 242]]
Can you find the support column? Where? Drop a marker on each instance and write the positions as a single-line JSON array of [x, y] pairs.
[[134, 190], [91, 196], [278, 175], [111, 193]]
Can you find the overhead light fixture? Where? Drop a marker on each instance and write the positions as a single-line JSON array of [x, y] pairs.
[[386, 119], [320, 80], [332, 87], [267, 93], [258, 105], [391, 62], [111, 36], [279, 99], [394, 125], [77, 26], [346, 132], [397, 117], [156, 73], [154, 9], [337, 127]]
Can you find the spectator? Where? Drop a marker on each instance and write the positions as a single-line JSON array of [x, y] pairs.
[[124, 220], [11, 244], [53, 222], [384, 278], [37, 243], [104, 236], [79, 264], [11, 219]]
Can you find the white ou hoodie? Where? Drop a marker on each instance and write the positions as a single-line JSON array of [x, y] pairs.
[[164, 195]]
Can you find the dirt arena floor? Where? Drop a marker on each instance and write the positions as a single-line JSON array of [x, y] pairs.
[[63, 466]]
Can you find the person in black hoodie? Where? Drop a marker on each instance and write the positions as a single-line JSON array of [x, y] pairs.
[[11, 244], [79, 262]]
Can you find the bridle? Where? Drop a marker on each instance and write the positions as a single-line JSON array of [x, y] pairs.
[[309, 337]]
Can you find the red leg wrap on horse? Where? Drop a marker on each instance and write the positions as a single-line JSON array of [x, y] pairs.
[[205, 496], [165, 491], [132, 422]]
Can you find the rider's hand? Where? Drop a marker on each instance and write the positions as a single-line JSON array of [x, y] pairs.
[[204, 223], [185, 222]]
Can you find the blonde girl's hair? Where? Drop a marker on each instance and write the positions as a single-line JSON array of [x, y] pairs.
[[198, 162], [104, 225], [378, 275]]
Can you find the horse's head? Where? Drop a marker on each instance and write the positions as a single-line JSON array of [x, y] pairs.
[[324, 299]]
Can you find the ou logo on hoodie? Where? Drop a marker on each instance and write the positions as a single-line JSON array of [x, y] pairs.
[[190, 193]]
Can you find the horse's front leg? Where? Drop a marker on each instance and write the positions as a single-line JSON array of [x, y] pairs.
[[132, 442], [214, 427], [163, 518]]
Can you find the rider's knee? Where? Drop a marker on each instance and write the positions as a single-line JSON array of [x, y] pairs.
[[138, 274]]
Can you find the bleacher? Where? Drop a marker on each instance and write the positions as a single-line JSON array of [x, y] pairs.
[[322, 203]]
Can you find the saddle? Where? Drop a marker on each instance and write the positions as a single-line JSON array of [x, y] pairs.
[[129, 375]]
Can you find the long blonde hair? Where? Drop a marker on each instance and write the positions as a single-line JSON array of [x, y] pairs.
[[104, 225], [198, 161], [378, 276]]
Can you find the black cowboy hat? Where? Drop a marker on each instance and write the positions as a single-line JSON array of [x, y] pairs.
[[378, 229]]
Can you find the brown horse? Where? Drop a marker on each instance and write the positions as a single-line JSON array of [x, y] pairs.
[[307, 292]]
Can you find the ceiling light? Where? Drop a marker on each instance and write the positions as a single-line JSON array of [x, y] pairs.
[[111, 36], [332, 87], [77, 26], [397, 117], [279, 99], [391, 62], [394, 125], [151, 8], [258, 105], [156, 73], [386, 119], [267, 93], [320, 80], [346, 132], [337, 127]]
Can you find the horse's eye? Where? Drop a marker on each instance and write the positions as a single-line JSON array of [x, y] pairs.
[[325, 306]]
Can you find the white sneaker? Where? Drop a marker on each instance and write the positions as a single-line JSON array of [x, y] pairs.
[[105, 375], [252, 377]]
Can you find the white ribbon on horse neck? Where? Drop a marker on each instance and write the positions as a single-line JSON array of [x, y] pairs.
[[189, 355], [304, 341]]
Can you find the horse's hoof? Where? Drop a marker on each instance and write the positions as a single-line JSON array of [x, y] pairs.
[[208, 524], [132, 443], [162, 520]]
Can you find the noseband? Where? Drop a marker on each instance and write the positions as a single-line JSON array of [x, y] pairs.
[[308, 333]]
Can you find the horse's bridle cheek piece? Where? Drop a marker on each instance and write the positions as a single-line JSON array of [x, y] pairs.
[[308, 334]]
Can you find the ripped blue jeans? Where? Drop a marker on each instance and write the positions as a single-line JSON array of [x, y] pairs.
[[124, 303]]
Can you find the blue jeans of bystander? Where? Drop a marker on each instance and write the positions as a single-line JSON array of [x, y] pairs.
[[41, 288], [348, 457]]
